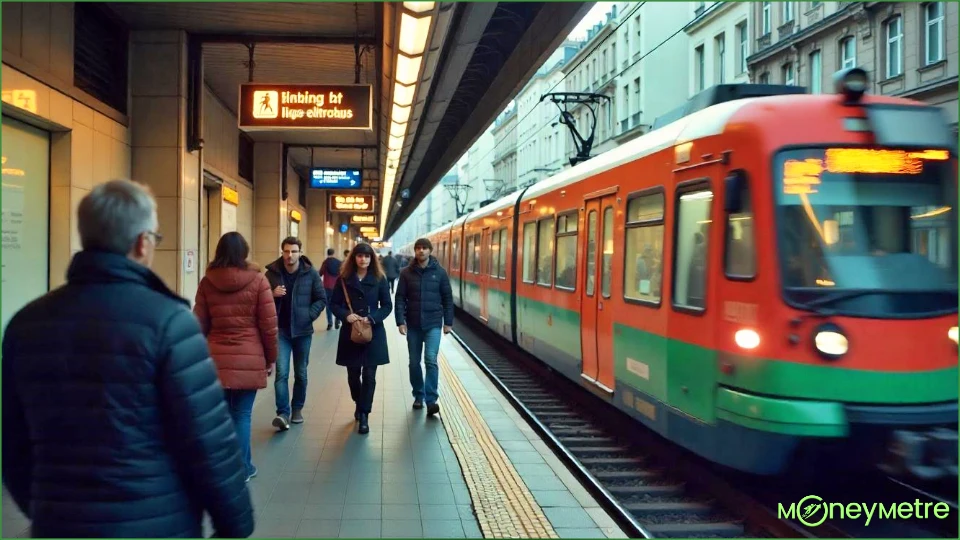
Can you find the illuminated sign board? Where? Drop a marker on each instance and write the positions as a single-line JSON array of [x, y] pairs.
[[335, 178], [24, 99], [305, 106], [351, 203], [370, 232], [369, 219], [230, 195], [802, 176]]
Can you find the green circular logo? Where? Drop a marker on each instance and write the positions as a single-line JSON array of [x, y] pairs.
[[807, 510]]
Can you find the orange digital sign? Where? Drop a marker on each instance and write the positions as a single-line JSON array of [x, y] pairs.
[[367, 219], [802, 176], [352, 203], [305, 106]]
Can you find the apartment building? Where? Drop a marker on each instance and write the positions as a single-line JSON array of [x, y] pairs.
[[908, 49], [720, 43]]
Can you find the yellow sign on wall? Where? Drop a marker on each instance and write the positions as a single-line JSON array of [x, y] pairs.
[[295, 215], [231, 195], [24, 99]]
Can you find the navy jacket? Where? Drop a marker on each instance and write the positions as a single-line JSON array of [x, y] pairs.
[[114, 422], [369, 298], [308, 296], [424, 297]]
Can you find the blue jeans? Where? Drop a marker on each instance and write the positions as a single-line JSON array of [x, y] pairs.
[[426, 341], [240, 403], [300, 347], [327, 309]]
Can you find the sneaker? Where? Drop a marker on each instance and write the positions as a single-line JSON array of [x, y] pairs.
[[251, 475], [433, 409], [329, 326], [417, 404], [297, 417], [281, 422]]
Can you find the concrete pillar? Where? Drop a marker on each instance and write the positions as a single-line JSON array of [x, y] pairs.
[[158, 87], [317, 239], [270, 211]]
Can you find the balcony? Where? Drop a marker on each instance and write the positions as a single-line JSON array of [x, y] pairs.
[[763, 41]]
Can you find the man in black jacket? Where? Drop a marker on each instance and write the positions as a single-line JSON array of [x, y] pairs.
[[424, 305], [298, 293], [114, 422], [391, 267]]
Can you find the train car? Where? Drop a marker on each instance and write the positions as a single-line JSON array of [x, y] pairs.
[[487, 284], [765, 280]]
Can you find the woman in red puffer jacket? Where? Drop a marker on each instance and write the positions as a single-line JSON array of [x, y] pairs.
[[237, 314]]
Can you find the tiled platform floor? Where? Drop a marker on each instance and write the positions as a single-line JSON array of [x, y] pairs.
[[322, 479]]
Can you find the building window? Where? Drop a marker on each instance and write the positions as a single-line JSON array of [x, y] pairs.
[[766, 18], [933, 32], [721, 44], [765, 78], [699, 64], [894, 51], [742, 37], [788, 12], [100, 54], [848, 52], [789, 77], [816, 73]]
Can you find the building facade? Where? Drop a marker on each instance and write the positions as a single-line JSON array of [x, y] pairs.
[[908, 49], [719, 41]]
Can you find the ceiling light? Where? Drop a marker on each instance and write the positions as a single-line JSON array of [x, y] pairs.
[[401, 115], [413, 34], [419, 7], [408, 69], [403, 94]]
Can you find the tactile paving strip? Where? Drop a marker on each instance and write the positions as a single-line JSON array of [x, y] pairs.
[[504, 506]]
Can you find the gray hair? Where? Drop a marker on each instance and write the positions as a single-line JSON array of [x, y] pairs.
[[114, 214]]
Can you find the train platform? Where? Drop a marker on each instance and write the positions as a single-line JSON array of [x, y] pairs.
[[476, 470]]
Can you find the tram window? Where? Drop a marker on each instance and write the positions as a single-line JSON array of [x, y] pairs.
[[591, 252], [455, 263], [606, 264], [545, 252], [740, 259], [503, 254], [469, 261], [643, 252], [476, 253], [690, 258], [493, 254], [567, 251], [529, 251]]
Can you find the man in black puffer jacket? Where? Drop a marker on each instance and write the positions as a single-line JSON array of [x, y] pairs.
[[424, 305], [114, 422]]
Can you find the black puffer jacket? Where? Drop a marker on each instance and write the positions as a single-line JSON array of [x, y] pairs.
[[114, 423], [424, 298], [308, 296]]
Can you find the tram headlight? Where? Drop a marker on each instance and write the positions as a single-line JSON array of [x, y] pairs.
[[830, 342], [953, 334]]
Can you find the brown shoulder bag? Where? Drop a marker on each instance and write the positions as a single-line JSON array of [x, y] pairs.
[[361, 331]]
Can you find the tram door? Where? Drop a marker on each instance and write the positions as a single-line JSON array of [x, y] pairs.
[[483, 278], [596, 316]]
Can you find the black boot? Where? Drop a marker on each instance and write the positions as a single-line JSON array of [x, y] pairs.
[[357, 413], [364, 427]]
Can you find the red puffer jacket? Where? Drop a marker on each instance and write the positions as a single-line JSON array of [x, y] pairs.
[[237, 314]]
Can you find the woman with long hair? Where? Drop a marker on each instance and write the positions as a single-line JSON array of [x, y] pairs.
[[362, 293], [237, 314]]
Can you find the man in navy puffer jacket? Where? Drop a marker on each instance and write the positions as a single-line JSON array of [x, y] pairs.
[[114, 422]]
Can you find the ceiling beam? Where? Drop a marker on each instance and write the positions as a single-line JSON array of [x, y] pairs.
[[289, 39]]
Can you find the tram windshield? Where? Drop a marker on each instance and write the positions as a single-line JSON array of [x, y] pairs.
[[868, 232]]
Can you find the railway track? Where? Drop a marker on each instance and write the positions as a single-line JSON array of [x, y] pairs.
[[652, 487]]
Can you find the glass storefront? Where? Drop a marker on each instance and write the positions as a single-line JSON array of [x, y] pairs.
[[25, 252]]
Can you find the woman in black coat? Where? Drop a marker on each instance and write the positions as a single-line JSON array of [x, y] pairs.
[[363, 279]]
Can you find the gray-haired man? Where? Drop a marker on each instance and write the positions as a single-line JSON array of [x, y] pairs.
[[114, 422]]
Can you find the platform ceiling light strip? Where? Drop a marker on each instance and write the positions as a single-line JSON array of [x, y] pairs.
[[415, 21]]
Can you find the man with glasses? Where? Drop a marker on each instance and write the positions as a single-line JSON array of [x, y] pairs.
[[114, 421], [299, 296]]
